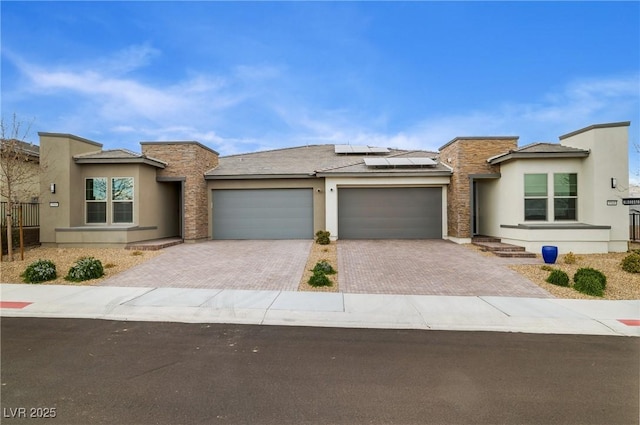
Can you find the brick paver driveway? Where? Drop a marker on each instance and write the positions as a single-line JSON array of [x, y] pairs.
[[426, 267], [259, 265]]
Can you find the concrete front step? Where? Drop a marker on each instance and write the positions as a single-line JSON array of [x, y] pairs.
[[485, 239], [500, 249], [153, 245], [514, 254], [498, 246]]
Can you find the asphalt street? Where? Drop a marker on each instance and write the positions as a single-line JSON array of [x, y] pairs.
[[110, 372]]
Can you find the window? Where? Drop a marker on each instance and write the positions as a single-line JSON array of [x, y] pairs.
[[96, 200], [535, 196], [122, 199], [565, 192]]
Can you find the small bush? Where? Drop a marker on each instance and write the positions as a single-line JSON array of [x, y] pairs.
[[322, 237], [319, 279], [588, 271], [547, 268], [39, 271], [558, 277], [324, 267], [570, 258], [590, 285], [631, 263], [85, 268]]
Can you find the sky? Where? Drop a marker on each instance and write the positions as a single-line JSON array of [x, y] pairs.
[[247, 76]]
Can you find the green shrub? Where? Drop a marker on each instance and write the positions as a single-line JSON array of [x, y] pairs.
[[547, 268], [558, 277], [324, 267], [319, 279], [588, 271], [322, 237], [631, 263], [39, 271], [570, 258], [590, 285], [85, 268]]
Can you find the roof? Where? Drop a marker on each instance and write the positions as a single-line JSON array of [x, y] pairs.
[[539, 150], [478, 139], [117, 156], [23, 147], [311, 161], [596, 126]]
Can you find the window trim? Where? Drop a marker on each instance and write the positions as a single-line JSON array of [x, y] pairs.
[[96, 201], [551, 197], [109, 202], [544, 197], [575, 197], [122, 201]]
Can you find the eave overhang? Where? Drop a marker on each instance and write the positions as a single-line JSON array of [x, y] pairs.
[[257, 176], [146, 161], [536, 155]]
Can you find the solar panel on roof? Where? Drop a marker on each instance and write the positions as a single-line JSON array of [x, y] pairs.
[[378, 150], [399, 162], [376, 162], [358, 149], [342, 149]]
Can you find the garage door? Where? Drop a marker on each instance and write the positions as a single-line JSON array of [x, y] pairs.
[[263, 214], [390, 213]]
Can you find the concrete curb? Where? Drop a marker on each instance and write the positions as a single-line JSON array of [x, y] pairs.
[[461, 313]]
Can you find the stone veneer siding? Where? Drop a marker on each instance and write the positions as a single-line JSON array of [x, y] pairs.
[[188, 160], [468, 155]]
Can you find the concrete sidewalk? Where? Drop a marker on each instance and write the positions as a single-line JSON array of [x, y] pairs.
[[468, 313]]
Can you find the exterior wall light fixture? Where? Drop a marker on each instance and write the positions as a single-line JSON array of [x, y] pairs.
[[52, 188], [614, 182]]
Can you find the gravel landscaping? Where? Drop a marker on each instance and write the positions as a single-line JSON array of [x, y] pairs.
[[114, 261], [328, 253], [621, 285]]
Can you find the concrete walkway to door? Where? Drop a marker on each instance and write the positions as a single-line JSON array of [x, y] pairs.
[[237, 264], [426, 267]]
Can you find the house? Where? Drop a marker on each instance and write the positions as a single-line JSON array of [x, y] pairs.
[[543, 193], [22, 162]]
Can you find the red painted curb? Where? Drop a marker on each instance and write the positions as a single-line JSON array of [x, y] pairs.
[[13, 304], [630, 322]]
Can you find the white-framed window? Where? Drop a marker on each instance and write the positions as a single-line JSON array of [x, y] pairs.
[[565, 196], [535, 197], [122, 199], [95, 196], [109, 203]]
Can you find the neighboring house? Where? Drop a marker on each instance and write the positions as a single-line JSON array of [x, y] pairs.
[[539, 194], [27, 172]]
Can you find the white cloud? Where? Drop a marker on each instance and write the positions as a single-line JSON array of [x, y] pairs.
[[129, 59], [224, 111]]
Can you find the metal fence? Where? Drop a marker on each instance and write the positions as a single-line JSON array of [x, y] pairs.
[[634, 225], [30, 214]]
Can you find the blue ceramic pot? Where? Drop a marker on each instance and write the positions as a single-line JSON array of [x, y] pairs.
[[549, 254]]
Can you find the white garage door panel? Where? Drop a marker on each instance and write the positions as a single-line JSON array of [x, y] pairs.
[[263, 214]]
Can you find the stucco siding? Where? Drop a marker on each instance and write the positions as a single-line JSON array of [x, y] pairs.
[[608, 159], [65, 206]]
